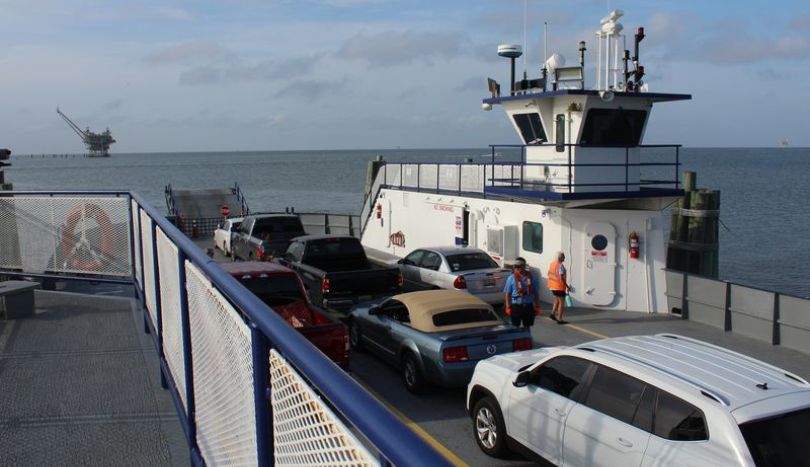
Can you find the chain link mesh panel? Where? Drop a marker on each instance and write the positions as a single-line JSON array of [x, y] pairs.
[[223, 375], [148, 270], [170, 311], [65, 234], [136, 215], [305, 430]]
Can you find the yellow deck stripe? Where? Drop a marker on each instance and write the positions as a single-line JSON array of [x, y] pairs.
[[452, 457], [587, 331]]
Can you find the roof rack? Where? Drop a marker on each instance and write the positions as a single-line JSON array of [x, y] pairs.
[[703, 390], [787, 374]]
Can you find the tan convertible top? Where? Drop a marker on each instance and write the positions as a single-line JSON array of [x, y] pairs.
[[422, 306]]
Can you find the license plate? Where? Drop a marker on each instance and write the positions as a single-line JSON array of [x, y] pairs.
[[489, 282], [364, 298]]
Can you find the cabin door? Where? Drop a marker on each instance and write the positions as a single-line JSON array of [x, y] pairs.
[[598, 285]]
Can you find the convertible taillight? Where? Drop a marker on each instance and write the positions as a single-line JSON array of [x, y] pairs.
[[460, 283], [455, 354], [524, 343]]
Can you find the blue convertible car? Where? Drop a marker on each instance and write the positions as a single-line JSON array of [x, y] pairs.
[[434, 336]]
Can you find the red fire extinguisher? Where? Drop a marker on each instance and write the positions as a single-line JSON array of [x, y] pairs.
[[634, 245], [378, 209]]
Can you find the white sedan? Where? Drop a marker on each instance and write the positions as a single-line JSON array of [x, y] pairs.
[[461, 268], [222, 235]]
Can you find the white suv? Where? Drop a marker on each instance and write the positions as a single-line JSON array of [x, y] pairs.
[[641, 401]]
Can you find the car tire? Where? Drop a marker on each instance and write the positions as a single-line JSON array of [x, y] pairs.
[[412, 375], [488, 427], [355, 341]]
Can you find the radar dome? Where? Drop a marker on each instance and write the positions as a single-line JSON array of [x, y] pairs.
[[510, 50]]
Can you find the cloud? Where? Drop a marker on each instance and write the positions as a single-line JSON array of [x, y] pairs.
[[172, 13], [112, 105], [392, 48], [188, 52], [262, 71], [801, 22], [201, 76], [311, 90]]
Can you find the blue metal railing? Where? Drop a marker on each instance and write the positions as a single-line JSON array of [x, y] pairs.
[[395, 442], [518, 175]]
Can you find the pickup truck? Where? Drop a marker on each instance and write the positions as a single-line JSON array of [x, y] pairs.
[[263, 237], [337, 272], [281, 289]]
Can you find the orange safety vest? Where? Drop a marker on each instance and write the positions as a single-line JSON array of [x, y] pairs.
[[554, 280]]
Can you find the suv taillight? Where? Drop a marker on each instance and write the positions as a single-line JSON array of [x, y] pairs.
[[460, 283], [524, 343], [400, 279], [325, 285], [455, 354]]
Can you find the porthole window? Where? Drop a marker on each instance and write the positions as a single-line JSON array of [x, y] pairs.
[[599, 242]]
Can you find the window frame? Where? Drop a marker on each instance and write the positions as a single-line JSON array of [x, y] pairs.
[[577, 393], [429, 252], [523, 237], [590, 384], [525, 117]]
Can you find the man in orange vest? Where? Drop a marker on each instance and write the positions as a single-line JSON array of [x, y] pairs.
[[558, 284]]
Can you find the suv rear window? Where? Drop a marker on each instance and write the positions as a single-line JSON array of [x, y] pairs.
[[779, 440], [472, 315], [469, 261]]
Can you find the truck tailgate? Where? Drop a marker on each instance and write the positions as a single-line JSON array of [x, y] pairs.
[[368, 282]]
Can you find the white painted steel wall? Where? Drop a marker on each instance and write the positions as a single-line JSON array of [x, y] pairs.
[[429, 219]]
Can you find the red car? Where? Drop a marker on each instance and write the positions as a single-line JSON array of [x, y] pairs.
[[281, 289]]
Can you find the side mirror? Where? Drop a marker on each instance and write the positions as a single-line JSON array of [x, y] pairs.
[[401, 261], [522, 379], [374, 310]]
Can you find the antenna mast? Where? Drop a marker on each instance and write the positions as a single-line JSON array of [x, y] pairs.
[[525, 44]]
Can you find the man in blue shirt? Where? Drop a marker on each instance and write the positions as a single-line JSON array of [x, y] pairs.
[[522, 295]]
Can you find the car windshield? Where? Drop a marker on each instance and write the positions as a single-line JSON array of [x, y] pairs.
[[469, 261], [780, 440], [464, 316], [274, 291]]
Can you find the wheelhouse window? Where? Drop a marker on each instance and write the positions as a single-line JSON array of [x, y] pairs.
[[613, 127], [531, 128], [533, 237]]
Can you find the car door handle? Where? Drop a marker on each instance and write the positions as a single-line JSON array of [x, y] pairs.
[[624, 442]]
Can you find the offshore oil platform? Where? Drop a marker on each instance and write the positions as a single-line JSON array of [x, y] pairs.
[[98, 144]]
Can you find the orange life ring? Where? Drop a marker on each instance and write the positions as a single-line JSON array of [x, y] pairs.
[[71, 244]]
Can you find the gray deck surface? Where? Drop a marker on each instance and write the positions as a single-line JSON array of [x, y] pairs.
[[205, 203], [79, 385]]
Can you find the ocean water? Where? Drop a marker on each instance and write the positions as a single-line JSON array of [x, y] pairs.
[[764, 239]]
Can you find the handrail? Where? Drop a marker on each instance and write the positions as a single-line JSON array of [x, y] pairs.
[[397, 443]]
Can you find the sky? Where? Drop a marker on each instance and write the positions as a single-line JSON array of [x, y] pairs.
[[223, 75]]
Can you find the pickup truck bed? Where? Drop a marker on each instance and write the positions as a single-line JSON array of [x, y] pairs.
[[337, 272], [282, 290]]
